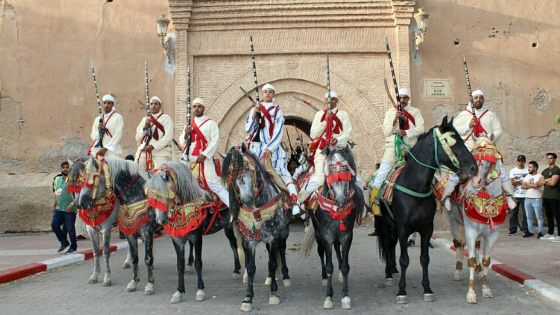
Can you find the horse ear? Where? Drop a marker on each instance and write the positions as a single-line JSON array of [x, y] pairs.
[[443, 126], [347, 148], [451, 121], [243, 148], [70, 163], [327, 151], [166, 175]]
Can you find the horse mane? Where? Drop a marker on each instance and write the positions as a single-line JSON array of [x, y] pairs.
[[188, 187], [118, 165], [77, 166]]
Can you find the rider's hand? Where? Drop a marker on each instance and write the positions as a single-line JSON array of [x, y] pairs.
[[472, 123], [148, 123], [149, 148], [257, 110], [333, 142], [201, 158], [401, 133], [397, 116], [102, 152]]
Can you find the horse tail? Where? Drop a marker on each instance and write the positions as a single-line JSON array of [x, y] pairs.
[[359, 201], [239, 238], [385, 231], [308, 241]]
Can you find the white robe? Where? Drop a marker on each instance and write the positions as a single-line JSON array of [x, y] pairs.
[[489, 122], [111, 139], [412, 134], [162, 152], [211, 132]]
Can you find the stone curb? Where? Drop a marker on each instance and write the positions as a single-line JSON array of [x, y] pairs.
[[64, 260], [545, 289]]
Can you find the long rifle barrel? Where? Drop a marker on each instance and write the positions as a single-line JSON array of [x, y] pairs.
[[149, 114], [99, 143], [185, 156], [248, 96], [329, 84], [469, 85], [256, 137], [401, 119]]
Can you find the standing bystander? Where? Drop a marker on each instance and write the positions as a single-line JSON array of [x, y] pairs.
[[533, 199], [64, 215], [516, 176], [551, 195]]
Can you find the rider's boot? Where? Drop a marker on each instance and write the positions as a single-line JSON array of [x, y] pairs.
[[510, 197], [446, 197], [374, 202]]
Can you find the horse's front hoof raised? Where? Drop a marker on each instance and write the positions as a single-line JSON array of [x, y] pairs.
[[471, 297], [149, 289], [189, 269], [429, 297], [457, 276], [92, 279], [340, 277], [107, 281], [328, 303], [287, 283], [346, 303], [402, 299], [274, 299], [176, 298], [324, 282], [486, 292], [131, 287], [246, 307], [389, 282], [235, 276], [200, 296]]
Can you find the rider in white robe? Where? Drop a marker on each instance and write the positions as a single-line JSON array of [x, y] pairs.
[[114, 125]]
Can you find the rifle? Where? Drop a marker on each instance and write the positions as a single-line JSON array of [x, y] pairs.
[[290, 142], [99, 143], [185, 156], [248, 96], [329, 86], [389, 93], [469, 85], [306, 102], [149, 131], [401, 119], [174, 141], [256, 135]]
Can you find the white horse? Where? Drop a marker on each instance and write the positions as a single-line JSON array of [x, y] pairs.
[[472, 212]]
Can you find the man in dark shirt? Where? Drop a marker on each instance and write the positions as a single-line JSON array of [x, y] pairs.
[[551, 195]]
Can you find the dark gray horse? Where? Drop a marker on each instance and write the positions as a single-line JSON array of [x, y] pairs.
[[414, 206], [341, 203], [261, 212], [126, 181], [186, 191]]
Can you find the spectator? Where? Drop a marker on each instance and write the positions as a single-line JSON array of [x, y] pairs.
[[533, 199], [64, 215], [551, 195], [516, 175]]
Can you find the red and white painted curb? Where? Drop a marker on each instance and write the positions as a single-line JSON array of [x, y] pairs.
[[545, 289], [64, 260]]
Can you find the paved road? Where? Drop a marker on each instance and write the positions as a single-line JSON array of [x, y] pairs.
[[65, 290]]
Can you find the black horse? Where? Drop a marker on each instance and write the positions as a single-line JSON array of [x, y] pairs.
[[414, 206], [184, 186], [261, 212], [341, 203]]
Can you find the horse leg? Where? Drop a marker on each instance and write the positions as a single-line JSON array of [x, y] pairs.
[[459, 244], [393, 240], [425, 262], [233, 244], [148, 234], [200, 296], [339, 258], [321, 253], [95, 243], [179, 244], [250, 249], [404, 261], [268, 280], [345, 268], [133, 246], [470, 234], [106, 256], [327, 245], [272, 265], [286, 281], [190, 268], [128, 262], [489, 242]]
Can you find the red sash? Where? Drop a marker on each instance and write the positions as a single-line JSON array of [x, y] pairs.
[[477, 129], [198, 138], [332, 128], [158, 125], [407, 117], [267, 116]]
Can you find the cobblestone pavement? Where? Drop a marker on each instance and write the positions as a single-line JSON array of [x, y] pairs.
[[65, 290]]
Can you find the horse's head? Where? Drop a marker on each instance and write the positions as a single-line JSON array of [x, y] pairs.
[[161, 192], [340, 174], [452, 151], [239, 172], [96, 175], [486, 155], [75, 177]]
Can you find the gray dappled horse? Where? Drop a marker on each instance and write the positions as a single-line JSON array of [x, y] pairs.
[[176, 187], [341, 203], [126, 181], [261, 212]]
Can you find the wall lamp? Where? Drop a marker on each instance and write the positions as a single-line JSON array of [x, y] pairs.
[[422, 21]]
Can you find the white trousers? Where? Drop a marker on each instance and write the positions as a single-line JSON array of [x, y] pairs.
[[219, 190], [384, 169]]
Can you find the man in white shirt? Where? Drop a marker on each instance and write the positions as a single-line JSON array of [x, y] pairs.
[[113, 124], [533, 199], [516, 176]]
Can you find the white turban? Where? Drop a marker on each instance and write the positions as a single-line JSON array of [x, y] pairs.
[[333, 95], [403, 92], [156, 98], [108, 97], [269, 86], [198, 100], [478, 92]]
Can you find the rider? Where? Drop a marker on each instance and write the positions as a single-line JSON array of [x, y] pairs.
[[205, 137], [159, 150], [114, 124], [469, 128], [412, 129], [270, 135]]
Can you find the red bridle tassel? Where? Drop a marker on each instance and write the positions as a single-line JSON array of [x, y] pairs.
[[342, 226]]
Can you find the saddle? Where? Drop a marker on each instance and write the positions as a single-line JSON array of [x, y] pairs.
[[388, 188]]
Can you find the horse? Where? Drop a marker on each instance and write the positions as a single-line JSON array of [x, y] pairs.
[[261, 212], [174, 191], [481, 218], [122, 182], [414, 205], [341, 203]]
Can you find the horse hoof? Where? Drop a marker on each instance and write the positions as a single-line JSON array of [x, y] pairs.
[[389, 281], [92, 279], [235, 276], [126, 265], [457, 276], [346, 303], [340, 277], [486, 292], [189, 269], [268, 281], [429, 297], [149, 289], [246, 307], [245, 277], [274, 299], [176, 298], [471, 297], [328, 303], [287, 283], [401, 299], [200, 296], [107, 282], [131, 287]]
